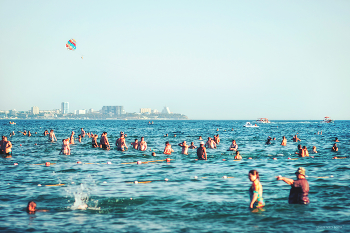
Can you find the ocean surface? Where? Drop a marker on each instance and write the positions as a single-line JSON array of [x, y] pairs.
[[183, 203]]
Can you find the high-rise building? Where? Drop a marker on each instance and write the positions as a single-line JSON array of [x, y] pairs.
[[35, 110], [113, 110], [166, 110], [65, 107], [145, 110]]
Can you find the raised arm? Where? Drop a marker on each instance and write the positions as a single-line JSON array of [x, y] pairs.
[[285, 179]]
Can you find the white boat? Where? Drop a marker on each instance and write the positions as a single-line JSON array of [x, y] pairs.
[[263, 120], [327, 120], [250, 125]]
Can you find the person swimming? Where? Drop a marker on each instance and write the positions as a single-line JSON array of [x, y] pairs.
[[255, 191], [335, 147], [284, 141], [192, 146], [238, 156], [31, 208]]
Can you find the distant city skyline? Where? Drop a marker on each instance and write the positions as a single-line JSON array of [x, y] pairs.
[[228, 60]]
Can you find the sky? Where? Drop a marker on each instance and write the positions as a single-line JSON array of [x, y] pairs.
[[224, 60]]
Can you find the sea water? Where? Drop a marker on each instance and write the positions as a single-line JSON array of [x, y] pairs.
[[195, 198]]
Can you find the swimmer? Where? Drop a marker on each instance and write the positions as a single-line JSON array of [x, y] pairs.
[[142, 145], [296, 139], [284, 141], [300, 151], [314, 150], [135, 144], [6, 147], [120, 143], [217, 139], [94, 141], [175, 135], [24, 132], [104, 144], [72, 138], [300, 187], [202, 152], [153, 153], [335, 147], [192, 146], [238, 156], [79, 138], [210, 143], [168, 150], [46, 132], [268, 142], [82, 132], [184, 148], [306, 152], [52, 136], [233, 146], [336, 140], [166, 135], [65, 147], [31, 208], [29, 134], [256, 190], [200, 138]]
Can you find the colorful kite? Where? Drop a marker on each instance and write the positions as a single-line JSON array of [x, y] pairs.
[[71, 44]]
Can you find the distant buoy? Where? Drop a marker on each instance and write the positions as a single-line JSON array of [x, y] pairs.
[[289, 158], [39, 184], [168, 160], [139, 162], [15, 164], [312, 157], [274, 158], [136, 182], [150, 149], [20, 144], [223, 159], [225, 177], [79, 162], [109, 163], [35, 144], [47, 164], [196, 177], [250, 158], [166, 179]]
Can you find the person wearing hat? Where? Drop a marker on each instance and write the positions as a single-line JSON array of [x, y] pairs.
[[300, 188], [202, 152]]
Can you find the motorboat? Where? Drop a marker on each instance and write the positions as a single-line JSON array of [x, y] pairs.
[[263, 120], [327, 120], [250, 125]]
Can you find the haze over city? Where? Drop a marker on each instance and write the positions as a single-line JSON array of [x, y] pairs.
[[228, 60]]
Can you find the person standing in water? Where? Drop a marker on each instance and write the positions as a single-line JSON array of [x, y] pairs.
[[142, 144], [65, 147], [120, 143], [104, 144], [284, 141], [94, 141], [52, 136], [238, 156], [72, 138], [335, 147], [233, 146], [82, 133], [202, 152], [6, 147], [299, 188], [168, 150], [184, 148], [256, 190], [135, 144], [192, 146]]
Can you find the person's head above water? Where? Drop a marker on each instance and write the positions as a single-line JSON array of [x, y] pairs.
[[300, 173], [253, 175], [31, 207]]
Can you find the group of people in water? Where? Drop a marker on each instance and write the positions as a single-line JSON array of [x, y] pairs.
[[299, 187]]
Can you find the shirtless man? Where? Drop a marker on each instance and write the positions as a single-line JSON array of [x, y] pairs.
[[120, 143], [104, 144], [284, 141], [192, 146], [135, 144], [82, 133], [72, 138], [210, 143], [336, 140], [65, 147], [52, 136], [300, 151], [142, 145], [233, 146], [184, 148], [202, 152], [168, 150], [200, 138], [6, 147], [306, 152], [29, 134]]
